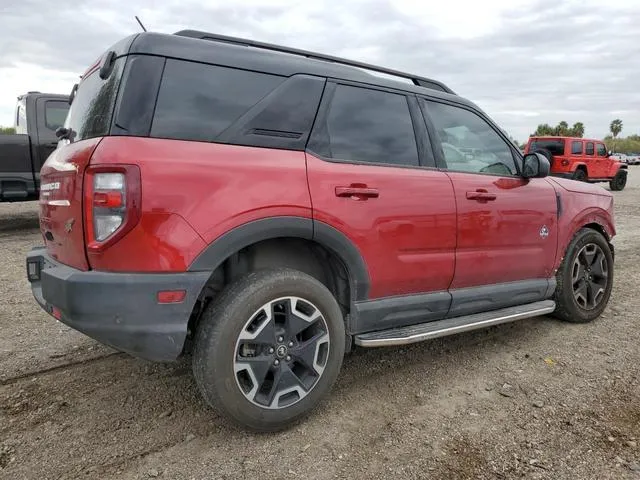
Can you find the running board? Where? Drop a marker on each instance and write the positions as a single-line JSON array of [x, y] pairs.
[[451, 326]]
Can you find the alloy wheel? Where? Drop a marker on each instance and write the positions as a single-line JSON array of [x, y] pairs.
[[590, 276], [281, 352]]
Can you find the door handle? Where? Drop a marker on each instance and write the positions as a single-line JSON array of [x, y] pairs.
[[481, 195], [357, 192]]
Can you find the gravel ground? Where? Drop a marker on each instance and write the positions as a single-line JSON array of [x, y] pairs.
[[535, 399]]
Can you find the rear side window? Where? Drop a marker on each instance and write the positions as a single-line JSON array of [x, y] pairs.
[[198, 101], [576, 148], [602, 150], [55, 114], [371, 126], [555, 146], [92, 107], [589, 150]]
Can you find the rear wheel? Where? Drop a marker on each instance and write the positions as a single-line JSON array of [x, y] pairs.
[[580, 175], [269, 348], [619, 181], [585, 278]]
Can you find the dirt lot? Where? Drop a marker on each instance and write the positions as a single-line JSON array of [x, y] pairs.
[[535, 399]]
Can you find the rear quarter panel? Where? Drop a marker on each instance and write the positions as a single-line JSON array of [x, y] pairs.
[[193, 192]]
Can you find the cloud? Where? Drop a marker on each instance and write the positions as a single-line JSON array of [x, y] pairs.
[[523, 61]]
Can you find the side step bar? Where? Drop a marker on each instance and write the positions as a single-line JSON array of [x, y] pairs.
[[451, 326]]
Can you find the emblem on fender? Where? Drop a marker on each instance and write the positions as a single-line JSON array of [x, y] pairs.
[[544, 231]]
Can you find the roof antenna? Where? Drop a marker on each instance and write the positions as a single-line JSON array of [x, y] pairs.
[[140, 23]]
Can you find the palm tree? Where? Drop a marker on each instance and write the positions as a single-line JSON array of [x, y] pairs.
[[615, 128], [578, 129]]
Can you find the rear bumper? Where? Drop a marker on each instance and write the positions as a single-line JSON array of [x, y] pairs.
[[117, 309]]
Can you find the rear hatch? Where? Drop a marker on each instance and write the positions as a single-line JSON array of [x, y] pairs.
[[61, 177]]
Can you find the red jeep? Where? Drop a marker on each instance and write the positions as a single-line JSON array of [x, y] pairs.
[[264, 209], [582, 159]]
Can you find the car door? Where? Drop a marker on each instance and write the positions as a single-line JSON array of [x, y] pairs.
[[507, 225], [372, 177], [602, 167], [590, 159], [51, 115]]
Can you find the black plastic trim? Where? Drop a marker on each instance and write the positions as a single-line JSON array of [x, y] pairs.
[[400, 311], [136, 323], [248, 234], [345, 249], [466, 301], [278, 227]]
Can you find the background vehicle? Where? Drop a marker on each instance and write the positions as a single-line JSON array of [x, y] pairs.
[[582, 159], [267, 208], [38, 115]]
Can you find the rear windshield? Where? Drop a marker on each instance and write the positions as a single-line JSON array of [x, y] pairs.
[[555, 146], [92, 107]]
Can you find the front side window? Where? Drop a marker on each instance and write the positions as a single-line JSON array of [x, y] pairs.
[[576, 148], [602, 150], [469, 143], [589, 150], [55, 114], [371, 126]]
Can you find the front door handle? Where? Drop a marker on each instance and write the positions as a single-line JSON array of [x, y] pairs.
[[357, 193], [481, 195]]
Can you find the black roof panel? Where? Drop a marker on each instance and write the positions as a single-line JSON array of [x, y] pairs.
[[249, 55]]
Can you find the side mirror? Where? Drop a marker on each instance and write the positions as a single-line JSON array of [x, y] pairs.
[[535, 165]]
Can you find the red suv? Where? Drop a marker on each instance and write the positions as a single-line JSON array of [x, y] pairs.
[[263, 209], [581, 159]]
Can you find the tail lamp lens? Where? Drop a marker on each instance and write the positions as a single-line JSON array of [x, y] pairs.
[[109, 204]]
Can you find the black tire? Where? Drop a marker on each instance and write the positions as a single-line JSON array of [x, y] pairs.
[[580, 175], [568, 307], [619, 181], [218, 345], [547, 153]]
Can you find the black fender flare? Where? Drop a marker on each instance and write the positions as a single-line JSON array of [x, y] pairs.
[[292, 227]]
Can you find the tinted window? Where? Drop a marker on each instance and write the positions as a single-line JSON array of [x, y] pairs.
[[602, 150], [92, 107], [198, 102], [469, 143], [555, 146], [364, 125], [589, 150], [55, 114], [576, 148]]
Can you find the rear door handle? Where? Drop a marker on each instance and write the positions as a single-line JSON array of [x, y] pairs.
[[481, 195], [357, 192]]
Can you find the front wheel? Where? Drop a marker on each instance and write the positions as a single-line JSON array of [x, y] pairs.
[[585, 278], [269, 349], [580, 175], [619, 181]]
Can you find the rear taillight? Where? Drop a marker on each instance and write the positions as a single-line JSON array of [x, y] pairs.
[[111, 203]]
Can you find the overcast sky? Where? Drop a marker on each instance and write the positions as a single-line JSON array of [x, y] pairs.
[[524, 62]]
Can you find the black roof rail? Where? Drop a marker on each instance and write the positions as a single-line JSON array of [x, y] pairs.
[[416, 80]]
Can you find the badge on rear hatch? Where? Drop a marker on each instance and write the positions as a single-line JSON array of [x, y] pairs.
[[68, 225]]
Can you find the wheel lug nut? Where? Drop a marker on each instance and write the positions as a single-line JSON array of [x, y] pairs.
[[280, 339], [271, 350], [291, 344], [288, 358], [276, 362]]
